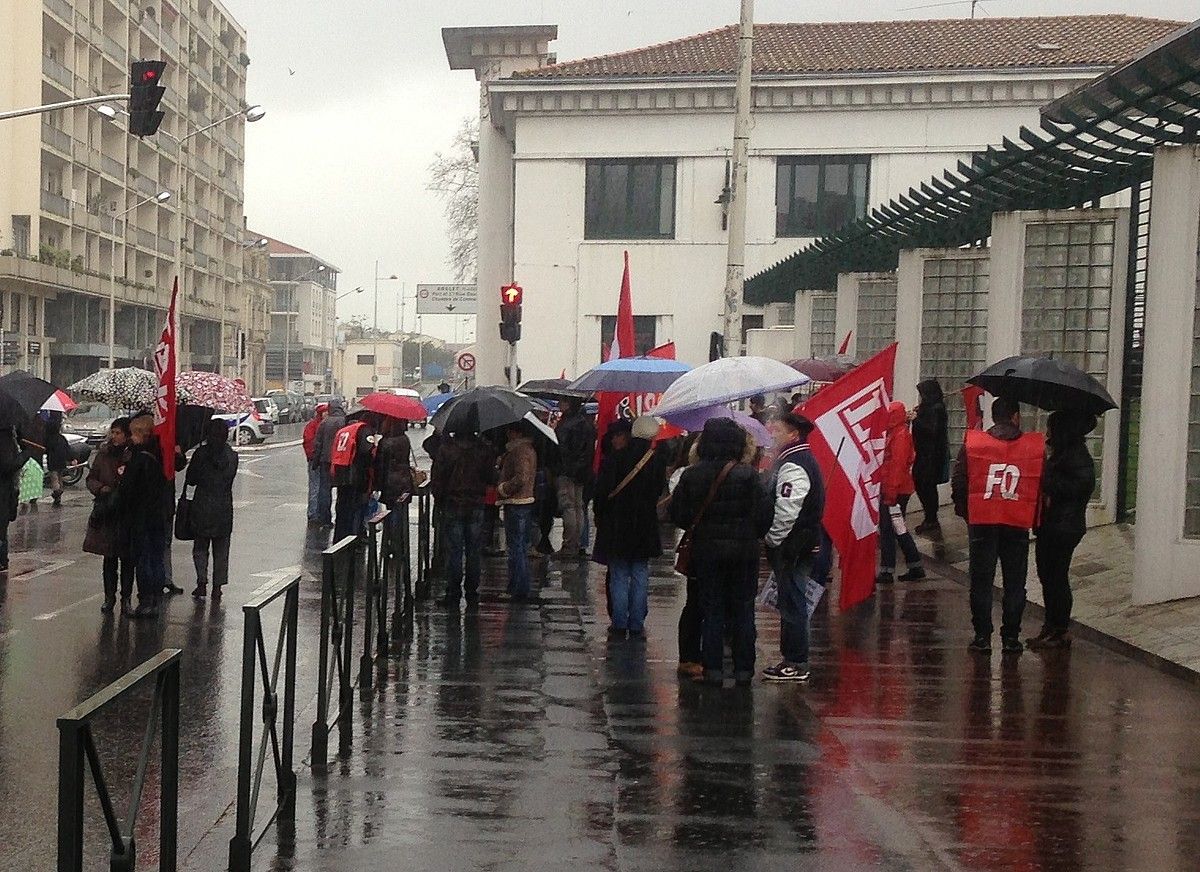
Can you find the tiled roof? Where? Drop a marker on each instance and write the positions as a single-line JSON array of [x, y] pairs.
[[276, 246], [877, 46]]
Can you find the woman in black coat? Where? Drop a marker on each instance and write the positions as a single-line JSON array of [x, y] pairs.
[[725, 542], [932, 442], [209, 487], [1068, 479]]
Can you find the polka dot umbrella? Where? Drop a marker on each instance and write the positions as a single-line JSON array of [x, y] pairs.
[[214, 391], [129, 389]]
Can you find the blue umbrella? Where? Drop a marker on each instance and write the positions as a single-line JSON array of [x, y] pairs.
[[651, 375], [436, 401]]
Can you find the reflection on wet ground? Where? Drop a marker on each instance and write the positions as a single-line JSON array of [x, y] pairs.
[[520, 738]]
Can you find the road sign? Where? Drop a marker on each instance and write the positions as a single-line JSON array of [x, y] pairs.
[[34, 348], [447, 299], [466, 361]]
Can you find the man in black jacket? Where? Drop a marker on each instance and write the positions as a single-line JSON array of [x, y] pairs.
[[577, 448], [463, 467], [799, 492]]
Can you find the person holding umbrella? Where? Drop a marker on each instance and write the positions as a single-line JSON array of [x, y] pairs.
[[209, 483], [996, 489], [577, 446], [1068, 479], [106, 534], [462, 472]]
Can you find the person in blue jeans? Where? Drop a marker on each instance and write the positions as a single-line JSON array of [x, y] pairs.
[[515, 491], [631, 480], [794, 536], [464, 466]]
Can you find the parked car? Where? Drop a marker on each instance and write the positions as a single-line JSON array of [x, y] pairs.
[[267, 408], [248, 428], [308, 407], [288, 404], [91, 421]]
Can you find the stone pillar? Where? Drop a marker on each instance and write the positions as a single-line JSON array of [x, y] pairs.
[[847, 312], [802, 325], [910, 285], [1166, 560]]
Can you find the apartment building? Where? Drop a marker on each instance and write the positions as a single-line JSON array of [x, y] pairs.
[[78, 216], [302, 317], [253, 329]]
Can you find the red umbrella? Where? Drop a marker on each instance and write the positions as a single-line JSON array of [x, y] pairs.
[[395, 406]]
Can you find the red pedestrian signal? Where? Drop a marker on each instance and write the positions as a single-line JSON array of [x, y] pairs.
[[511, 295], [145, 93]]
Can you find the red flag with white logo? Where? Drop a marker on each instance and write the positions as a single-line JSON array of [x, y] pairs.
[[851, 421], [972, 399], [165, 368]]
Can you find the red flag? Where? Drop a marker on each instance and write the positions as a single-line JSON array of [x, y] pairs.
[[845, 343], [623, 344], [850, 417], [563, 375], [165, 368], [972, 396]]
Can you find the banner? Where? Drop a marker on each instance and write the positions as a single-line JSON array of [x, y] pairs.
[[850, 417], [165, 368], [972, 397]]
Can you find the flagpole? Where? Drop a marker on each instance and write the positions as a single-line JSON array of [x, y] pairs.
[[735, 265]]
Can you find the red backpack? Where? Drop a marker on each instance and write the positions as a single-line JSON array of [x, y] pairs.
[[344, 460]]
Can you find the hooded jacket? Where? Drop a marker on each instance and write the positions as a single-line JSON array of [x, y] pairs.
[[898, 456], [212, 472], [1068, 478], [334, 421], [930, 434]]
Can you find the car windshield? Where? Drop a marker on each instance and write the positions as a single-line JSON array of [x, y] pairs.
[[262, 406], [92, 413]]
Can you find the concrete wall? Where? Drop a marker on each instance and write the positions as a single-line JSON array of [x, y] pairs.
[[1167, 565], [774, 342]]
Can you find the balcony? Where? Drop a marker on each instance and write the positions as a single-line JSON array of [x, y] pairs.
[[62, 9], [111, 168], [147, 240], [201, 259], [56, 204], [165, 246], [57, 139], [146, 185], [56, 72], [113, 49]]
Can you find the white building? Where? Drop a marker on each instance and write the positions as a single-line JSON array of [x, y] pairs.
[[363, 366], [582, 160]]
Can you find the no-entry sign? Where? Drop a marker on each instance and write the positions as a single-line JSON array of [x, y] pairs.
[[466, 362]]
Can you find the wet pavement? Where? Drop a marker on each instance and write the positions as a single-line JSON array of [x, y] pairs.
[[518, 737]]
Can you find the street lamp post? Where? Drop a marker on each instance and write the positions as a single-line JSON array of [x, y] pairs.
[[251, 114], [375, 330], [160, 197], [247, 304], [287, 322], [333, 337]]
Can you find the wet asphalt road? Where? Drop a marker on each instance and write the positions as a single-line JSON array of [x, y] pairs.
[[517, 737]]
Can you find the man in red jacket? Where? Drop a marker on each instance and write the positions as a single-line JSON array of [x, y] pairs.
[[899, 455], [314, 472]]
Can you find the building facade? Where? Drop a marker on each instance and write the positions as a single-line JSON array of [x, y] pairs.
[[254, 320], [66, 176], [582, 161], [363, 366], [303, 319]]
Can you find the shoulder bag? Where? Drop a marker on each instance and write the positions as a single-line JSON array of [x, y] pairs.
[[641, 464], [683, 551]]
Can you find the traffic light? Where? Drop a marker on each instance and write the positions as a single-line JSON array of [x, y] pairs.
[[510, 312], [145, 93]]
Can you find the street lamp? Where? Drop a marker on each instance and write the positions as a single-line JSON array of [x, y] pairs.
[[160, 197], [375, 350], [333, 335], [251, 114], [287, 323], [247, 306]]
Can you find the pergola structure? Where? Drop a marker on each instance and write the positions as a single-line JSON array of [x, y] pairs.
[[1096, 141]]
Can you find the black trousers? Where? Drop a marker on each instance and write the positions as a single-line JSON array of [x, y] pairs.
[[691, 624], [992, 543], [927, 493], [121, 566], [1053, 552]]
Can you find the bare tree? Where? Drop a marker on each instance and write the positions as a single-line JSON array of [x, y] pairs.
[[454, 176]]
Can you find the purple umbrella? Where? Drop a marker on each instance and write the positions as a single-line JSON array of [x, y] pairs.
[[694, 419]]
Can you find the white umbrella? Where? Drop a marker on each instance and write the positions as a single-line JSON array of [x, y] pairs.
[[726, 380], [543, 428]]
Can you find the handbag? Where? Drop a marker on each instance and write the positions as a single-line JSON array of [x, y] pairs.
[[183, 518], [683, 551]]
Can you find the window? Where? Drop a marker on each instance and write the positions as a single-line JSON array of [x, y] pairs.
[[824, 324], [645, 328], [366, 360], [876, 316], [815, 196], [630, 199], [954, 306]]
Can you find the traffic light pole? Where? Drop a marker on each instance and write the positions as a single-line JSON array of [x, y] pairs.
[[67, 104], [512, 365]]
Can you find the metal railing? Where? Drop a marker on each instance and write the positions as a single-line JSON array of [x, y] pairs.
[[254, 664], [375, 600], [339, 571], [56, 203], [62, 9], [56, 138], [57, 72], [425, 535], [76, 744], [397, 565]]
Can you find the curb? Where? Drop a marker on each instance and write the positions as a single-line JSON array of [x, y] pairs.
[[1079, 629], [268, 446]]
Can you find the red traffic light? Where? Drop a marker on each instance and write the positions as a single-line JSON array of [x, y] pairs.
[[149, 77], [511, 295]]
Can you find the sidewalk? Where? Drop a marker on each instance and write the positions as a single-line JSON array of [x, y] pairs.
[[1166, 635]]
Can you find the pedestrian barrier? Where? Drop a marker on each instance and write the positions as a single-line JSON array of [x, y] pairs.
[[254, 660], [75, 743], [375, 632], [339, 573], [424, 540], [397, 566]]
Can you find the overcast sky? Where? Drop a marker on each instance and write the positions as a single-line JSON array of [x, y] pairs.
[[339, 165]]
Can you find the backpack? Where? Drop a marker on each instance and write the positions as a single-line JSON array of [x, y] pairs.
[[344, 460]]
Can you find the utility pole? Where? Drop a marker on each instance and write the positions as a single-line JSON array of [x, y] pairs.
[[735, 268]]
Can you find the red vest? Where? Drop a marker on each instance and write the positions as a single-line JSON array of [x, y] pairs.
[[345, 445], [1004, 479]]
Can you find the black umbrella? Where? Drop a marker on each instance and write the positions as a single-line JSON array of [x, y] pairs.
[[552, 389], [28, 390], [1045, 382], [482, 409]]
